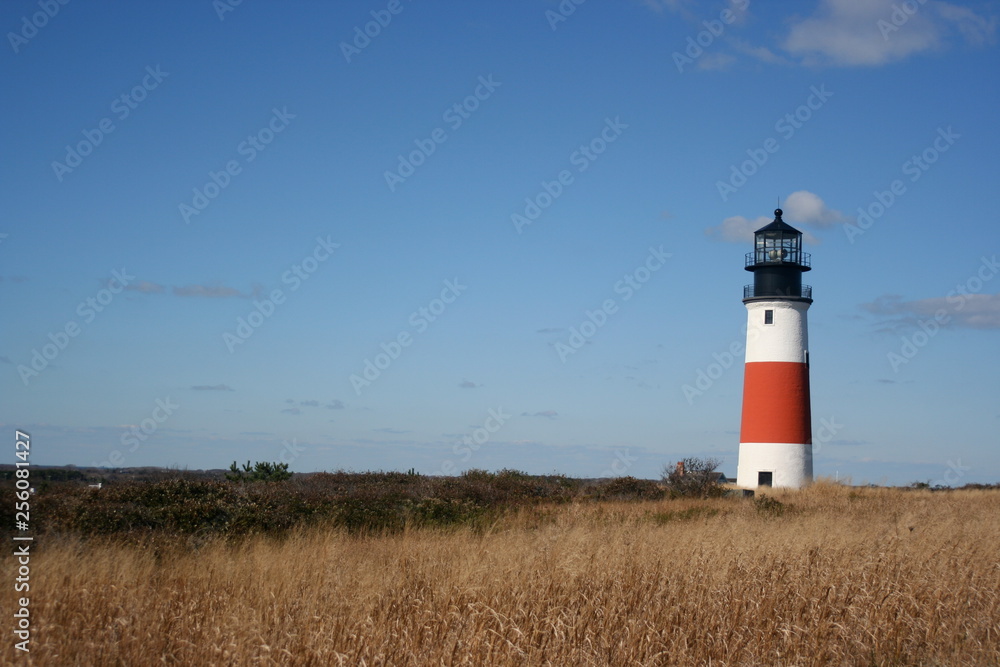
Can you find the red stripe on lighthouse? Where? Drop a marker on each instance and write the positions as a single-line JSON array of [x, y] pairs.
[[776, 403]]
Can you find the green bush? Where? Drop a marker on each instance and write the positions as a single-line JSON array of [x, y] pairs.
[[630, 488], [262, 471], [771, 507]]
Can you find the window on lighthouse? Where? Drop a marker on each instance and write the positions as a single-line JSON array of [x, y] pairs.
[[768, 317]]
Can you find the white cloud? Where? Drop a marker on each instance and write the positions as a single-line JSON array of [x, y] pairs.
[[801, 208], [806, 208], [736, 229], [875, 32]]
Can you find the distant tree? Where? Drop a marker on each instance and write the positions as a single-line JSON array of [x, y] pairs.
[[694, 477], [262, 471]]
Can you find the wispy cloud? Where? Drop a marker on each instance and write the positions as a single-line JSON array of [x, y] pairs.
[[209, 291], [760, 53], [547, 414], [313, 403], [969, 311], [716, 61], [291, 411], [467, 384], [212, 387], [673, 6], [863, 32], [975, 29], [844, 33], [145, 287], [847, 443]]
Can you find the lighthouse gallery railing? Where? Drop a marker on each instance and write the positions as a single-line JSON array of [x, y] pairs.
[[806, 292]]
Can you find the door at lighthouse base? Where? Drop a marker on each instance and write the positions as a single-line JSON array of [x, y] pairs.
[[765, 478]]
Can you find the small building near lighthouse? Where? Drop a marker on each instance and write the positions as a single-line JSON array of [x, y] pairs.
[[776, 425]]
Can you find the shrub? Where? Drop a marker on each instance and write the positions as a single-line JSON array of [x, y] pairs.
[[630, 488], [770, 507], [694, 477]]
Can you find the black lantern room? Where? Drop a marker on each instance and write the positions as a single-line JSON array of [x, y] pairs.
[[777, 263]]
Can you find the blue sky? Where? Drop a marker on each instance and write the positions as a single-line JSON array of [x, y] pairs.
[[215, 215]]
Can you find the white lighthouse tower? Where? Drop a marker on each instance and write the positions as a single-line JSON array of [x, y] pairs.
[[776, 429]]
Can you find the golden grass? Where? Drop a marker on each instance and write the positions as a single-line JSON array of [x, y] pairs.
[[847, 577]]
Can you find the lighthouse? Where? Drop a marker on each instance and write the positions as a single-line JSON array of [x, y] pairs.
[[776, 428]]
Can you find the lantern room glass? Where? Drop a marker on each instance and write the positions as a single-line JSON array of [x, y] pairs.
[[777, 247]]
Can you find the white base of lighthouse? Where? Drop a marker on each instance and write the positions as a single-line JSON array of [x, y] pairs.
[[776, 430], [776, 464]]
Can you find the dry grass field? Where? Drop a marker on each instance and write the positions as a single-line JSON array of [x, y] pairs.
[[832, 576]]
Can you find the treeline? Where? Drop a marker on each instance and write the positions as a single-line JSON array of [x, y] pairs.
[[359, 502]]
